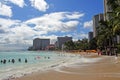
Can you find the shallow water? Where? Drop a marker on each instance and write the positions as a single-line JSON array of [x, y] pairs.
[[36, 61]]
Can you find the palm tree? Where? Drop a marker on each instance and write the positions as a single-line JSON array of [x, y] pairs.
[[107, 30], [116, 23], [115, 15], [105, 35], [112, 25]]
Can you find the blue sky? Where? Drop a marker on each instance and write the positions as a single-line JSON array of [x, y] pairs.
[[23, 20]]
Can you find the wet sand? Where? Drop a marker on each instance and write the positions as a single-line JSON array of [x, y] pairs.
[[108, 68]]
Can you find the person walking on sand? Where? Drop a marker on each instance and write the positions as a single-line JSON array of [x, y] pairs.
[[99, 52], [108, 51], [116, 55]]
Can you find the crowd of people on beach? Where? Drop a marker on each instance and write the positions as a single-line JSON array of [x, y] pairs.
[[108, 51]]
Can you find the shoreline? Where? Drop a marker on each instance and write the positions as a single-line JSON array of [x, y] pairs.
[[105, 69]]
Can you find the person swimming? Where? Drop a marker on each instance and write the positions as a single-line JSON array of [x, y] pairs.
[[26, 61], [48, 57], [9, 60], [1, 61], [13, 61], [4, 61], [19, 60], [45, 57]]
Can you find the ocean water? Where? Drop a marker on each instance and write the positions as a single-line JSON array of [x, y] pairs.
[[28, 62]]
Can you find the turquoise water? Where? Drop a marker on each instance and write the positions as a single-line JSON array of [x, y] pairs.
[[36, 61], [32, 57]]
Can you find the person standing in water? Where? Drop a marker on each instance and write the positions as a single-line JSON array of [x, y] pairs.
[[19, 60], [13, 61], [4, 61], [25, 60]]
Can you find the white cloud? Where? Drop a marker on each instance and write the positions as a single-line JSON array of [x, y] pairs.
[[5, 24], [55, 22], [83, 35], [15, 32], [80, 35], [7, 47], [75, 15], [5, 10], [19, 3], [88, 24], [41, 5]]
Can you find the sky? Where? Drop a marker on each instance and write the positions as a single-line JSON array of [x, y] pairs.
[[21, 21]]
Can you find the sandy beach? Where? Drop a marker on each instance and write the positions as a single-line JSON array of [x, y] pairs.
[[107, 68]]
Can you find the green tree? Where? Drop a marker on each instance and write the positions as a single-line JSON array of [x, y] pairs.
[[105, 33], [84, 45], [115, 15], [93, 44], [69, 45], [105, 38], [78, 44], [107, 30]]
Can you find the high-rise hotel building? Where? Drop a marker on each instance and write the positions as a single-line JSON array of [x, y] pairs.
[[90, 36], [61, 40], [96, 20], [40, 44], [107, 9]]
